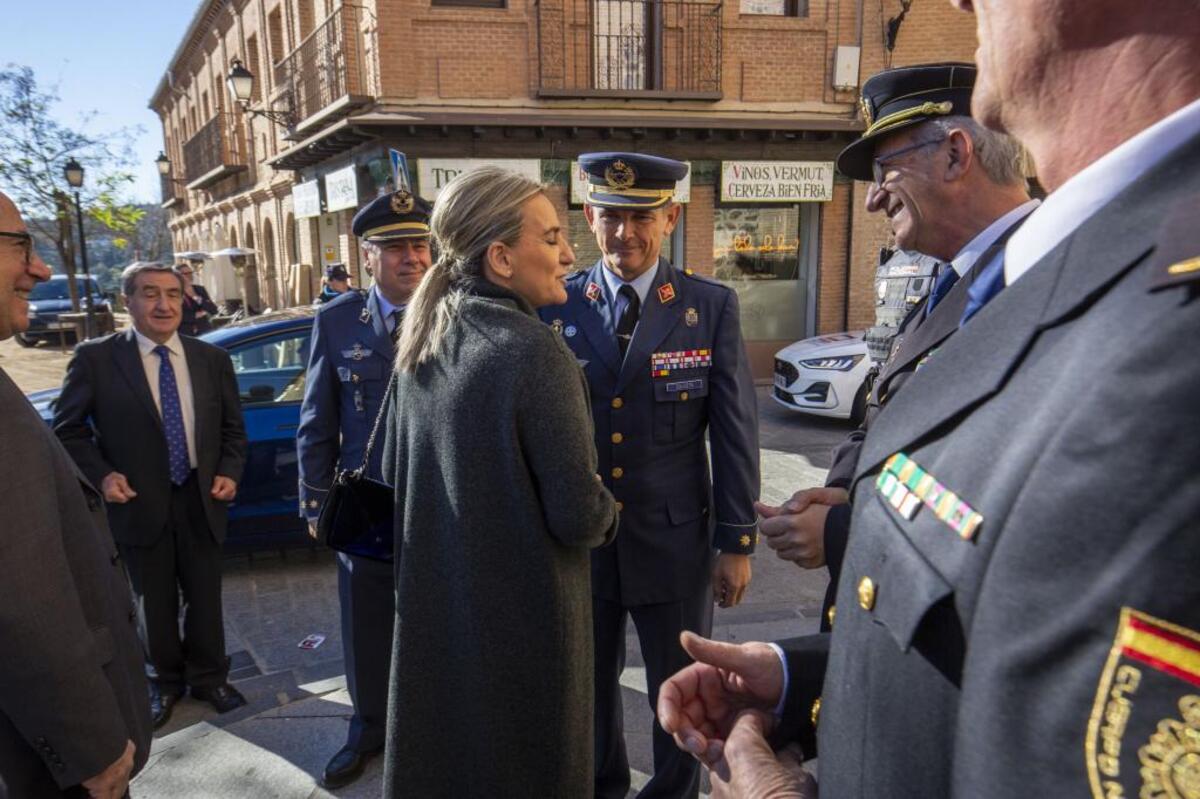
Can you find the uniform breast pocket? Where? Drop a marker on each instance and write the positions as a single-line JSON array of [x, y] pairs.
[[892, 579], [362, 382], [680, 403]]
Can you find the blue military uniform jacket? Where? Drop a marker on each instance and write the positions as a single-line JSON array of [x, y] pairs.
[[348, 372], [685, 373]]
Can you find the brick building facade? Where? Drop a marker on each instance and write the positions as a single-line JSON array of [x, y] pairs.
[[749, 92]]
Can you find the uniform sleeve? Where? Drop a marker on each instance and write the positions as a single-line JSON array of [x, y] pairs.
[[53, 688], [320, 420], [554, 423], [233, 427], [72, 419], [733, 433]]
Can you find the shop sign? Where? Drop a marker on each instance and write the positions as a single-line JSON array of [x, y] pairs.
[[434, 173], [683, 187], [306, 199], [776, 181], [341, 189]]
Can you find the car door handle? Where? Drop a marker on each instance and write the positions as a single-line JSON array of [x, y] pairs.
[[287, 426]]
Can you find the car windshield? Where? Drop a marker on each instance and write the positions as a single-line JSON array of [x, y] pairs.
[[56, 290]]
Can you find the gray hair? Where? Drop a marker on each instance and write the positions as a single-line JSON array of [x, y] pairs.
[[1001, 157], [130, 273], [473, 211]]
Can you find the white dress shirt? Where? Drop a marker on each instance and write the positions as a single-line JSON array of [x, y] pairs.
[[1087, 192], [977, 246], [183, 382]]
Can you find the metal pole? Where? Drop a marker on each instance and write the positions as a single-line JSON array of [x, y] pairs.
[[87, 281]]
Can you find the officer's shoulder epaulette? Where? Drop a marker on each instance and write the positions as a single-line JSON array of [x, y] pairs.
[[693, 275], [576, 277]]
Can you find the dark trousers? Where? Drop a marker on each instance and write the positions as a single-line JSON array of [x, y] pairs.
[[367, 594], [185, 560], [676, 773]]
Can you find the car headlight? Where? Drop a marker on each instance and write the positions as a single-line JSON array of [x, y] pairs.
[[840, 363]]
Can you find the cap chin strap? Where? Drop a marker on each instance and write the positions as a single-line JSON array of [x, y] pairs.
[[923, 110]]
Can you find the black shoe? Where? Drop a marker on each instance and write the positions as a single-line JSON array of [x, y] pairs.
[[345, 767], [162, 703], [223, 698]]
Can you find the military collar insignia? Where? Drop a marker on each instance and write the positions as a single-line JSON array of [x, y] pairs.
[[401, 202], [620, 175], [666, 293], [692, 317], [1145, 720], [906, 487], [364, 315], [592, 292]]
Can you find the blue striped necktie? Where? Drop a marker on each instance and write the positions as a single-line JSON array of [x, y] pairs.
[[172, 418], [986, 286]]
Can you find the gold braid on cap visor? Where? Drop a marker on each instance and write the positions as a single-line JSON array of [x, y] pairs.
[[413, 228], [922, 110]]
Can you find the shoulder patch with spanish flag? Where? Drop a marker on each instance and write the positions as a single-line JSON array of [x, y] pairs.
[[1143, 737]]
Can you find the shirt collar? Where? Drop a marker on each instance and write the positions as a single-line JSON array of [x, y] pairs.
[[977, 246], [641, 284], [385, 307], [146, 346], [1087, 192]]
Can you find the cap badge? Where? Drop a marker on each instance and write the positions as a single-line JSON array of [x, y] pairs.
[[592, 292], [402, 202], [666, 293], [692, 317], [620, 175]]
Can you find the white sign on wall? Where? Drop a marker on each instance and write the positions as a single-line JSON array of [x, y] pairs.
[[341, 189], [306, 199], [434, 173], [683, 187], [776, 181]]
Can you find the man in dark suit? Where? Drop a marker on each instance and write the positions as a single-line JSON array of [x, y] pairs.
[[348, 372], [153, 418], [74, 717], [951, 189], [198, 307], [662, 350], [1020, 614]]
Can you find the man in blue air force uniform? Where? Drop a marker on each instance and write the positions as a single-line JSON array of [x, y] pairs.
[[348, 373], [663, 354]]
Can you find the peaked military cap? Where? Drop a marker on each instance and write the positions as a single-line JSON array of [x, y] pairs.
[[336, 271], [397, 215], [899, 98], [630, 180]]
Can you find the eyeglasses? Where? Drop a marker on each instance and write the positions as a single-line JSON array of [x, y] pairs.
[[877, 163], [26, 243]]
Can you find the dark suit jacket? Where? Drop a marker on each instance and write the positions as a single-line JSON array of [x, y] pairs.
[[650, 431], [72, 688], [107, 420], [1046, 654], [191, 324]]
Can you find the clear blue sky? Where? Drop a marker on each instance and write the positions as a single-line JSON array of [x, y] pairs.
[[105, 56]]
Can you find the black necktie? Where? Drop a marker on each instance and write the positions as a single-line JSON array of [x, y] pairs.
[[946, 279], [629, 318], [396, 318]]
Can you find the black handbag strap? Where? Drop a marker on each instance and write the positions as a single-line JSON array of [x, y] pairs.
[[383, 406]]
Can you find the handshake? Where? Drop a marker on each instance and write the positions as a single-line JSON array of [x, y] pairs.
[[796, 529], [721, 710]]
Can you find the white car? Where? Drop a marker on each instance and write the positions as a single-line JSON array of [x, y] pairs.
[[824, 376]]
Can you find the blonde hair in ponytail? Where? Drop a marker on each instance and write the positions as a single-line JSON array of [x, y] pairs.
[[474, 210]]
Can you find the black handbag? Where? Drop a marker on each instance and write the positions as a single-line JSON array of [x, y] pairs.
[[358, 512]]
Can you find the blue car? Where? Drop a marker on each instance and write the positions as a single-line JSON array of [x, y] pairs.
[[50, 299], [270, 357]]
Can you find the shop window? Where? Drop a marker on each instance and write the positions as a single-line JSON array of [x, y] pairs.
[[776, 8], [587, 252], [763, 253]]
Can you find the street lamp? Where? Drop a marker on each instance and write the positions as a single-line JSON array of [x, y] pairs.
[[163, 163], [241, 86], [73, 172]]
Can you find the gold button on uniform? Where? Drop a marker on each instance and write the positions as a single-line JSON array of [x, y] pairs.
[[617, 472], [683, 395], [866, 593], [832, 612], [617, 402], [617, 438], [814, 715]]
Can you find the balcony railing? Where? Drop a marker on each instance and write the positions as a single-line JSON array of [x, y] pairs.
[[629, 48], [215, 152], [328, 68], [173, 195]]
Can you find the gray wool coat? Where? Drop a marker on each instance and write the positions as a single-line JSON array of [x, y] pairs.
[[497, 506]]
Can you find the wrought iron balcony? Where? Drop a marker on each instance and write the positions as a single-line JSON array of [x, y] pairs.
[[215, 152], [668, 49], [327, 74]]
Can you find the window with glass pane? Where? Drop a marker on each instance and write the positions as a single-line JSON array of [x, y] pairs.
[[271, 371], [779, 8], [587, 251], [758, 252]]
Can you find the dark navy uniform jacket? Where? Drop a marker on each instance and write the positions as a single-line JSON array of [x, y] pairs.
[[685, 373], [348, 372]]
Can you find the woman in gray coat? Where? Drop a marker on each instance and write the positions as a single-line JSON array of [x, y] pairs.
[[497, 506]]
